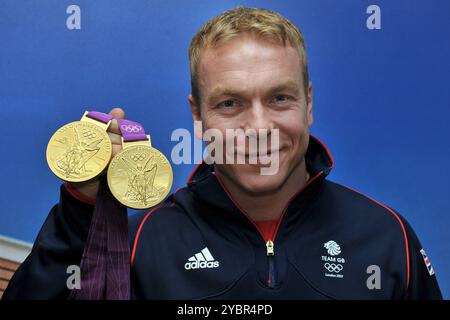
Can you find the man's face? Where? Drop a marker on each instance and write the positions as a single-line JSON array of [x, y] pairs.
[[251, 83]]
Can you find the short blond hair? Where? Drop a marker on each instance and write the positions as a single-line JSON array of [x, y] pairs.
[[232, 23]]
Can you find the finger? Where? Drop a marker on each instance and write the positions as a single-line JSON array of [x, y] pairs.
[[117, 113], [114, 127], [115, 138], [116, 149]]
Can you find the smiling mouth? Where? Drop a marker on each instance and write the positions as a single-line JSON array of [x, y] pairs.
[[262, 159], [260, 154]]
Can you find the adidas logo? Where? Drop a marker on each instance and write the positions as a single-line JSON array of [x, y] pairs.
[[201, 260]]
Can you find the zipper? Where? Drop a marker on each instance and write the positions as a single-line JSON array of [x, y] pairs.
[[270, 248], [270, 245], [271, 280]]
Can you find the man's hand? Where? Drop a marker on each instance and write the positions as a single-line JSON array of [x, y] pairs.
[[90, 188]]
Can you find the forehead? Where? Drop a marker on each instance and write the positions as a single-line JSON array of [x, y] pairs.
[[249, 62]]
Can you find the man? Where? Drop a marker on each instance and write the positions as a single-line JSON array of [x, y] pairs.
[[232, 232]]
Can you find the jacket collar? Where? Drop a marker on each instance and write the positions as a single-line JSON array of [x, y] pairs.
[[208, 187]]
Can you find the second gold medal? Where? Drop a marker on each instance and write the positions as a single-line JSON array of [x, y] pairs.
[[139, 176]]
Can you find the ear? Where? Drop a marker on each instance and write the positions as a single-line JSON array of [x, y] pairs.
[[196, 117], [310, 105]]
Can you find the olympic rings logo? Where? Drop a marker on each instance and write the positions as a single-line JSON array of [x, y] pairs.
[[138, 157], [332, 267], [89, 134], [131, 128]]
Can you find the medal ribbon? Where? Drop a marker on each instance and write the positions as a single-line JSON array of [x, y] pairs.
[[99, 116], [105, 264], [131, 131]]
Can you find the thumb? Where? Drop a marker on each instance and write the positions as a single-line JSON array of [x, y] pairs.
[[117, 113]]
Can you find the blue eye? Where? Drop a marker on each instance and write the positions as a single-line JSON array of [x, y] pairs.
[[227, 104], [280, 98]]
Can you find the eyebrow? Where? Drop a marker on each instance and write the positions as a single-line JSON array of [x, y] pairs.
[[220, 90], [289, 85]]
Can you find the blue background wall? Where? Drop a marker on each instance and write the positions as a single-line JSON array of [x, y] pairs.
[[381, 97]]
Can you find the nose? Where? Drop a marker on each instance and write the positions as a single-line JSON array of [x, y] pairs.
[[258, 117], [258, 125]]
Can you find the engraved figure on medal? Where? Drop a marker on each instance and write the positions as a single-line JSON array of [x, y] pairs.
[[141, 178], [79, 150]]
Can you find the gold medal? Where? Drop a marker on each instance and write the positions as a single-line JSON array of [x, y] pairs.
[[139, 176], [80, 150]]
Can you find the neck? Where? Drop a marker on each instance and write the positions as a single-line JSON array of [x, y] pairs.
[[267, 206]]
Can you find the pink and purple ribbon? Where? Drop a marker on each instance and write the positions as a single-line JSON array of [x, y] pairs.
[[105, 263], [131, 130], [99, 116]]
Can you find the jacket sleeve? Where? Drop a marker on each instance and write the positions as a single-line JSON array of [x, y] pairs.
[[59, 244], [423, 284]]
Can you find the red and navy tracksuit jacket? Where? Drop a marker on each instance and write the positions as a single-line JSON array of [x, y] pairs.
[[331, 242]]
